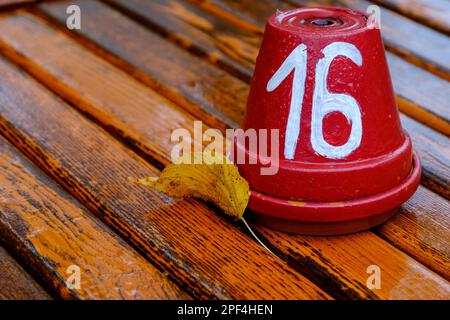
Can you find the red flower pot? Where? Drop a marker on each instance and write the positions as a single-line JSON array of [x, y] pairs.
[[346, 164]]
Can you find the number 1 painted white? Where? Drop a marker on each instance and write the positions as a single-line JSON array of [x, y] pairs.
[[324, 102], [295, 61]]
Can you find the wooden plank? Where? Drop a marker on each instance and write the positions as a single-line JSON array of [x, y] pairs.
[[414, 42], [331, 259], [16, 283], [198, 32], [434, 14], [77, 87], [14, 3], [249, 11], [200, 250], [228, 46], [125, 107], [423, 231], [433, 149], [428, 103], [51, 232], [178, 74], [134, 47]]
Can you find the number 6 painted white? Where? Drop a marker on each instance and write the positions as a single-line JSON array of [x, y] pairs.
[[325, 102], [294, 61]]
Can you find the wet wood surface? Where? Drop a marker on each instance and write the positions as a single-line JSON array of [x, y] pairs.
[[84, 121], [52, 234], [199, 249], [16, 283], [7, 4], [221, 100], [434, 14], [111, 107], [411, 101], [401, 35]]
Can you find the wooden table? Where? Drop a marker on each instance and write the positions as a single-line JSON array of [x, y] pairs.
[[82, 111]]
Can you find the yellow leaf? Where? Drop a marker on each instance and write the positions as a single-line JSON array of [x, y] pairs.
[[218, 182]]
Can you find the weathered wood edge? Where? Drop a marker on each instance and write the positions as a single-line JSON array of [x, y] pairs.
[[16, 283]]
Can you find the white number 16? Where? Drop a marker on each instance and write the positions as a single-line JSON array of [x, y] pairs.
[[324, 102]]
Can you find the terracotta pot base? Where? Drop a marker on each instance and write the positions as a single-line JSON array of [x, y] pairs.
[[333, 218], [323, 229]]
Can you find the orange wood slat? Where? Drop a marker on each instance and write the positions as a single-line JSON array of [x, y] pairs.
[[207, 92], [201, 251], [235, 50], [9, 3], [109, 102], [52, 233], [16, 283]]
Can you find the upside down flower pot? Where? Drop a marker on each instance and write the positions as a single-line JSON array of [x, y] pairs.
[[346, 164]]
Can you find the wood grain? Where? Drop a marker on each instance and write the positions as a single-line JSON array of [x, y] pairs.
[[227, 46], [427, 102], [197, 31], [434, 14], [181, 76], [16, 283], [423, 231], [135, 51], [332, 259], [246, 10], [50, 232], [109, 105], [434, 151], [200, 250], [126, 107], [6, 4]]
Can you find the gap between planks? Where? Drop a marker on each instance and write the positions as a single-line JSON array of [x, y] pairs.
[[223, 102], [200, 250], [235, 51], [114, 76], [49, 232], [15, 282], [11, 4]]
